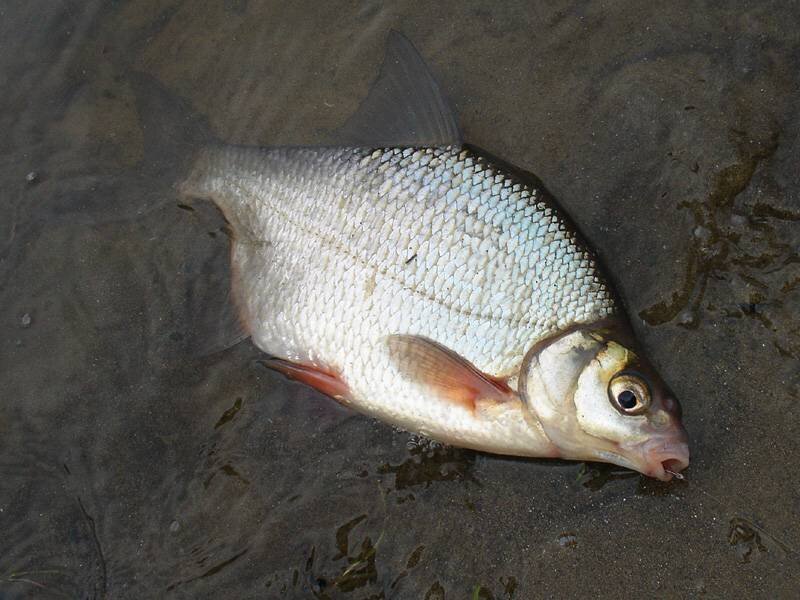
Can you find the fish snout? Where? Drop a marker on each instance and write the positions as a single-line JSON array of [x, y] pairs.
[[665, 455]]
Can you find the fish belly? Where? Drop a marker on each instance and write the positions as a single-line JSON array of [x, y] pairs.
[[336, 248]]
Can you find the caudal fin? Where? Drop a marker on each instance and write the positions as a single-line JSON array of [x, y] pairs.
[[174, 135]]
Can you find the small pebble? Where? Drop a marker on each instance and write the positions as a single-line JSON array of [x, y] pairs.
[[685, 317], [701, 233], [174, 526], [738, 220], [25, 320], [567, 540], [32, 177]]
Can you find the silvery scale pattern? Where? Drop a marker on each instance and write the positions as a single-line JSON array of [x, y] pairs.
[[336, 248]]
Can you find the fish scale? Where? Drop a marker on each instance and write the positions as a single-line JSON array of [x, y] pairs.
[[336, 248]]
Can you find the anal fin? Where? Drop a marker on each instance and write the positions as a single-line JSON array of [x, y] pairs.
[[322, 380]]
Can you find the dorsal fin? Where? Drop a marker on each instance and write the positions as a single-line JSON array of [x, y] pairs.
[[404, 106]]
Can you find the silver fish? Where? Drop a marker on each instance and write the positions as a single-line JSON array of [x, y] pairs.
[[431, 286]]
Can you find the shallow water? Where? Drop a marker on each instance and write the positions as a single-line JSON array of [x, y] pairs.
[[129, 468]]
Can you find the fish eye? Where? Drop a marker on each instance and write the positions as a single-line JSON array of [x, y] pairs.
[[629, 394]]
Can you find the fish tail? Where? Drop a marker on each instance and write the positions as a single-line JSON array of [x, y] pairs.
[[177, 144], [211, 165], [172, 130]]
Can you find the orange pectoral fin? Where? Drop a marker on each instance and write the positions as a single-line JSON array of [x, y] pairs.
[[327, 382], [452, 377]]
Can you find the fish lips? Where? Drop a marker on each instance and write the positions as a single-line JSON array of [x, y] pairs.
[[662, 456]]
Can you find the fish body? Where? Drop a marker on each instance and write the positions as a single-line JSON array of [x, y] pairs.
[[337, 248], [438, 289]]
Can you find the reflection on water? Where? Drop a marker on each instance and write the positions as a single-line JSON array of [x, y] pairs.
[[133, 465]]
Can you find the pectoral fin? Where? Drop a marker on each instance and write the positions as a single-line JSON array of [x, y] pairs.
[[450, 376]]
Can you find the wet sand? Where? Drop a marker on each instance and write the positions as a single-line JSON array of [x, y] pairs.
[[131, 468]]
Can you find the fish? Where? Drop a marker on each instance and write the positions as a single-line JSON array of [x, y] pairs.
[[422, 281]]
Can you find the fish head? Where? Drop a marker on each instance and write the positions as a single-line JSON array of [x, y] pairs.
[[597, 399]]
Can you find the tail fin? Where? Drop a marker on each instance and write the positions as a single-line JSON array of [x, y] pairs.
[[174, 136], [173, 132]]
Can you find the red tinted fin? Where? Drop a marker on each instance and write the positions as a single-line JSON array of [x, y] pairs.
[[327, 382], [449, 375]]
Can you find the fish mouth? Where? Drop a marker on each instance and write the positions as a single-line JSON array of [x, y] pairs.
[[663, 458]]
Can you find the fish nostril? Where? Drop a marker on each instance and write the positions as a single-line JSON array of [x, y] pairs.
[[673, 407]]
